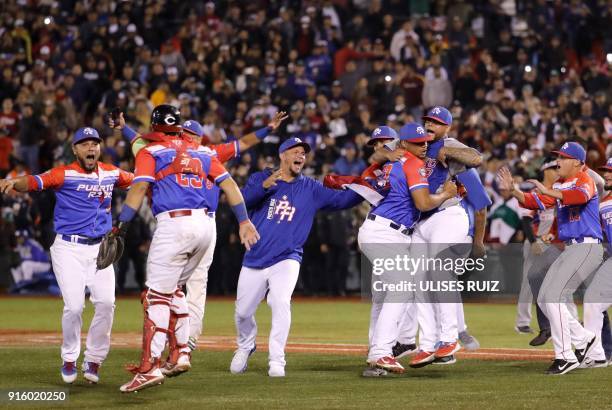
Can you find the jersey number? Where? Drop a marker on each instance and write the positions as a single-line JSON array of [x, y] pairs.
[[190, 180]]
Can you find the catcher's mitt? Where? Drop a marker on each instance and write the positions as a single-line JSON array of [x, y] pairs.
[[111, 247]]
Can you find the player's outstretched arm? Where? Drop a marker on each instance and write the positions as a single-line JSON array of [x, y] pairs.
[[424, 201], [247, 232], [467, 156], [18, 184], [480, 223], [254, 138]]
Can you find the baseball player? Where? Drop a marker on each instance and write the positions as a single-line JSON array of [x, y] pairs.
[[282, 204], [598, 296], [196, 285], [442, 227], [576, 198], [176, 168], [82, 216], [392, 223]]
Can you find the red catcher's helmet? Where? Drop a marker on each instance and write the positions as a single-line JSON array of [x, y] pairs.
[[166, 118]]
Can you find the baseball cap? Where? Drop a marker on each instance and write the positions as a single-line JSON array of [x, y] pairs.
[[382, 132], [292, 143], [439, 114], [85, 133], [572, 150], [193, 127], [548, 165], [608, 166], [413, 132]]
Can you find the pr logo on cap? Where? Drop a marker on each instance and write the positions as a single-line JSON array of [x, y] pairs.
[[436, 110], [420, 130], [565, 146], [88, 131], [377, 131], [187, 124]]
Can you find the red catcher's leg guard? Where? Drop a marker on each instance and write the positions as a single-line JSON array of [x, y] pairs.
[[147, 362], [174, 347]]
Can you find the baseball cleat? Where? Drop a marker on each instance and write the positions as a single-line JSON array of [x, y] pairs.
[[192, 343], [276, 370], [240, 361], [69, 372], [541, 338], [374, 372], [447, 349], [182, 365], [445, 360], [142, 381], [90, 372], [468, 341], [523, 329], [581, 354], [422, 359], [401, 350], [560, 366], [589, 363], [389, 364]]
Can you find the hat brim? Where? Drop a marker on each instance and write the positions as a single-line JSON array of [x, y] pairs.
[[605, 168], [192, 132], [565, 155], [435, 119], [372, 140], [421, 139], [305, 145]]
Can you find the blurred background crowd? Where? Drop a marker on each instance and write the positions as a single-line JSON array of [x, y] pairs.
[[520, 77]]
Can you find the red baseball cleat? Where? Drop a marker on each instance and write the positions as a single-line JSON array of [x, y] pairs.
[[390, 364], [447, 349], [422, 359], [144, 380]]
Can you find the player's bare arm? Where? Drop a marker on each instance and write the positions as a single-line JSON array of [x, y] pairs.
[[467, 156], [247, 232], [480, 222], [18, 184], [382, 155], [255, 137], [541, 188], [425, 201]]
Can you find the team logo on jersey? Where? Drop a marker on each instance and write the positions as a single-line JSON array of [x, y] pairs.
[[430, 164], [97, 191], [284, 210], [422, 172]]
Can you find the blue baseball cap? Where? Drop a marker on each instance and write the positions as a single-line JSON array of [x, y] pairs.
[[193, 127], [414, 132], [608, 166], [382, 132], [292, 143], [439, 114], [85, 133], [572, 150]]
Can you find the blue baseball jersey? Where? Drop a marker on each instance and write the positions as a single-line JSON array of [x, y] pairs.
[[83, 199], [577, 212], [178, 190], [283, 215], [469, 210], [403, 176], [605, 212]]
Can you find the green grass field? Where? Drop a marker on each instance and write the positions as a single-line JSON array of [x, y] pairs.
[[313, 380]]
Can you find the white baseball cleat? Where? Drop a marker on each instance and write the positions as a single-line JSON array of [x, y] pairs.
[[276, 370], [240, 361], [141, 381], [69, 372], [590, 363], [182, 365]]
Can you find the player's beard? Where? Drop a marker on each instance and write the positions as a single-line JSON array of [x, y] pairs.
[[88, 163]]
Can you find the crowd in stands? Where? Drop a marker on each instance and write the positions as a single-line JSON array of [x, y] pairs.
[[520, 77]]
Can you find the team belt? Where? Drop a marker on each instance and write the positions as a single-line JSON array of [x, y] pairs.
[[584, 239], [83, 240], [401, 228], [185, 212]]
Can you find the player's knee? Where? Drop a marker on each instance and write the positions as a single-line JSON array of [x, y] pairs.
[[244, 312], [105, 305], [74, 309], [276, 302]]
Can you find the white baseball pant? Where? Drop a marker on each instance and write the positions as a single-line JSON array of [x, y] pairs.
[[196, 289], [436, 234], [597, 299], [385, 317], [278, 281], [571, 268], [74, 265], [523, 306]]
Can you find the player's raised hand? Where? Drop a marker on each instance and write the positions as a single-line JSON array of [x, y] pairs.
[[271, 180], [277, 120], [248, 234], [505, 179], [116, 120], [450, 188], [6, 185]]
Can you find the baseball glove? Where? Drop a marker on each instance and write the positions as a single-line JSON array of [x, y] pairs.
[[111, 247]]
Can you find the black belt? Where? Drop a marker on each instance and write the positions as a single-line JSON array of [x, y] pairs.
[[82, 239], [393, 225]]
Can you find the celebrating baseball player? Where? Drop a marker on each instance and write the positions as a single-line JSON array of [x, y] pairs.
[[177, 169], [196, 285], [392, 223], [282, 204], [82, 216], [576, 198], [597, 298]]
